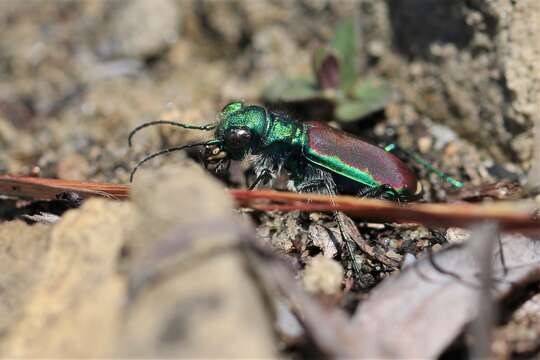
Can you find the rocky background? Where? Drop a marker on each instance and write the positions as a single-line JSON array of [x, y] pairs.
[[169, 273]]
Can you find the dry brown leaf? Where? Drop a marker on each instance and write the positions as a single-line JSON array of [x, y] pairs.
[[422, 310]]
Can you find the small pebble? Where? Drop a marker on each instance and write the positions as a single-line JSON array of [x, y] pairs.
[[375, 226], [376, 48], [323, 275], [36, 170], [451, 150], [143, 28], [424, 144], [457, 235], [436, 247]]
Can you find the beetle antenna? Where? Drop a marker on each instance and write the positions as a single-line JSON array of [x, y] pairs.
[[207, 127], [166, 151], [456, 183]]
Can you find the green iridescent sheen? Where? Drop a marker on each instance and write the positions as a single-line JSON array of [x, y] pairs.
[[336, 165], [251, 117], [282, 130], [231, 108]]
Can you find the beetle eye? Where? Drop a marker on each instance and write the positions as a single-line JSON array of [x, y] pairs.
[[237, 138]]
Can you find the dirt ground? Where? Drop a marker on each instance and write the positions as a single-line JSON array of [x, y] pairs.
[[177, 270]]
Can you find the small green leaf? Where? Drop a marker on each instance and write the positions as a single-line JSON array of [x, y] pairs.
[[283, 89], [350, 111], [373, 89], [370, 95], [345, 45]]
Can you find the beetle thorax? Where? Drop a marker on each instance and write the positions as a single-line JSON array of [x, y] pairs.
[[284, 130]]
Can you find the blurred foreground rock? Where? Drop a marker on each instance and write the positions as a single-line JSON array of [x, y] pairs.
[[163, 275]]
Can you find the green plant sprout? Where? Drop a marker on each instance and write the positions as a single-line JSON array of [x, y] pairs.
[[335, 80]]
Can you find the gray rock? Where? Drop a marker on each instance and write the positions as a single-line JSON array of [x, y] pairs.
[[142, 28], [471, 66]]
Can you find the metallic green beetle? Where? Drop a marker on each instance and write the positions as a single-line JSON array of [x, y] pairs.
[[317, 157]]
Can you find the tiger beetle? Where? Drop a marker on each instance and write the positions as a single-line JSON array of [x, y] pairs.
[[317, 157]]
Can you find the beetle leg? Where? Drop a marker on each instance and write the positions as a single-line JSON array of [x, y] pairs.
[[223, 166], [388, 192], [384, 191], [266, 166], [312, 186], [321, 182], [396, 149], [350, 244], [264, 176], [366, 192], [317, 181], [70, 199]]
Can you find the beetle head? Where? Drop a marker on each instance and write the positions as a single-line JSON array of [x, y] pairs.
[[241, 129]]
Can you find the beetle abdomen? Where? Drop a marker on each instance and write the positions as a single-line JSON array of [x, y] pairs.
[[355, 159]]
